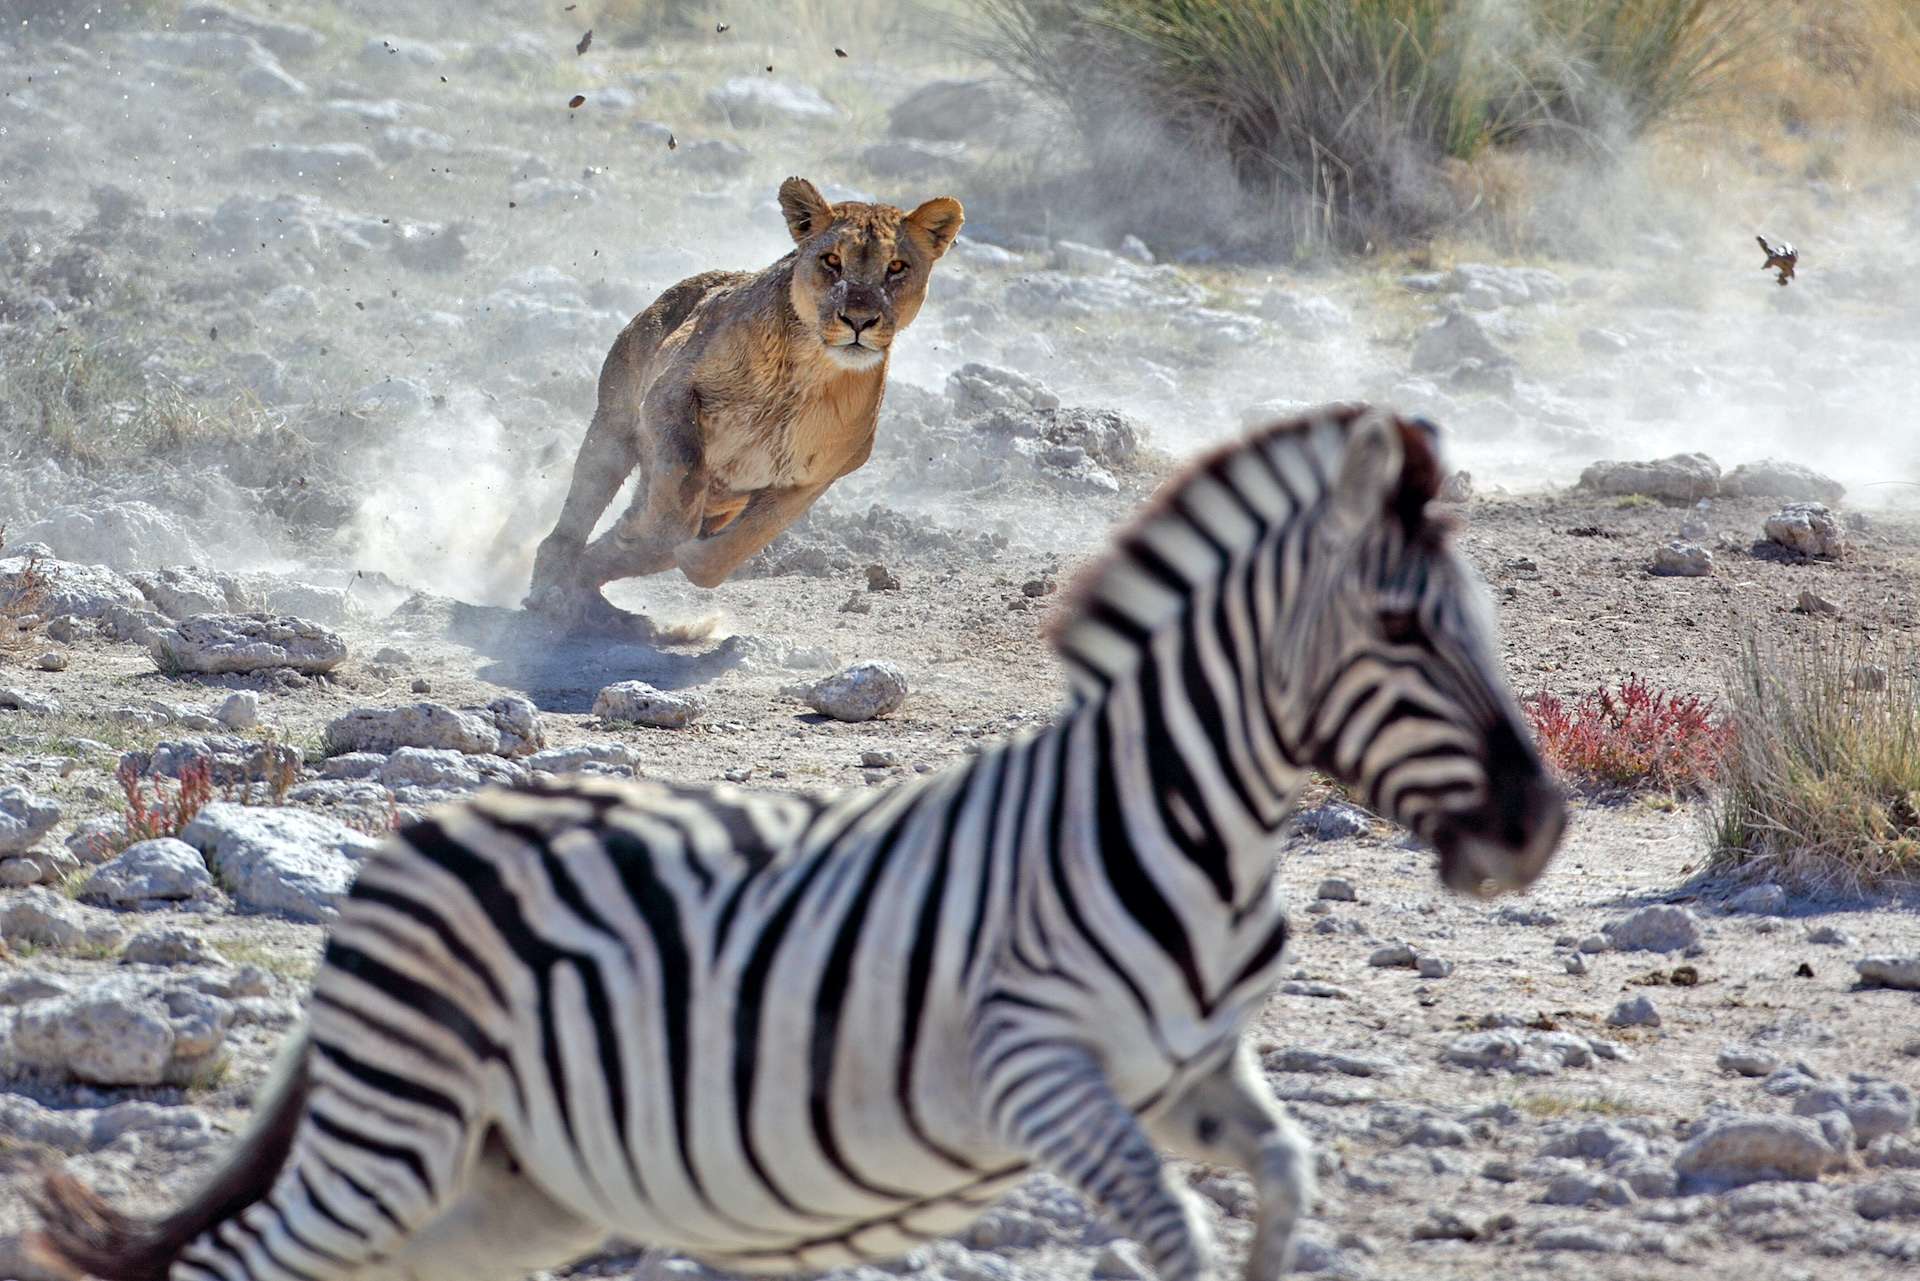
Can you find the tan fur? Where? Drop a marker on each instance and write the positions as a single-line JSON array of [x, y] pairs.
[[741, 397]]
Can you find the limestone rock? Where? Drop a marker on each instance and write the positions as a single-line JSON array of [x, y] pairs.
[[278, 859], [860, 693], [1807, 528], [24, 818], [641, 704], [148, 871], [245, 643], [1681, 478]]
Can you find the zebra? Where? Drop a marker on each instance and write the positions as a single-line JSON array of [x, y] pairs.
[[781, 1032]]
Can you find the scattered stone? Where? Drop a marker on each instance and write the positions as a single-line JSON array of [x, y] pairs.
[[1457, 488], [1682, 560], [860, 693], [1333, 821], [239, 710], [882, 579], [879, 760], [1811, 602], [508, 726], [1830, 936], [1321, 1063], [1432, 967], [1894, 1198], [1682, 478], [1034, 588], [1576, 964], [1873, 1107], [170, 945], [245, 643], [121, 1033], [1807, 528], [1638, 1011], [1875, 971], [1523, 1053], [421, 685], [278, 859], [1746, 1060], [639, 703], [183, 591], [415, 774], [1658, 928], [1337, 888], [750, 101], [1738, 1150], [65, 588], [1760, 900], [148, 871], [1455, 339], [226, 758], [1392, 956], [1586, 1188], [40, 917], [1774, 479], [24, 818], [52, 661], [583, 758], [975, 389], [18, 700]]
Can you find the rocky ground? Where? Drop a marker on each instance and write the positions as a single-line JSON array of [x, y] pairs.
[[283, 422]]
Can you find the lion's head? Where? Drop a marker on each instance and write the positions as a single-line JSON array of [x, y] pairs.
[[861, 271]]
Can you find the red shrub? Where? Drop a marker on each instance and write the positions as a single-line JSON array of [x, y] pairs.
[[1637, 737], [164, 815]]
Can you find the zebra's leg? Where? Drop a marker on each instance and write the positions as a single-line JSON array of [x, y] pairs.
[[1052, 1101], [1230, 1117], [503, 1226]]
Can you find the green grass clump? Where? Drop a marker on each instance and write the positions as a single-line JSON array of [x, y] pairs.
[[1822, 784], [1340, 116]]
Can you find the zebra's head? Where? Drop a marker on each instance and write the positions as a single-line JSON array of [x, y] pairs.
[[1397, 670]]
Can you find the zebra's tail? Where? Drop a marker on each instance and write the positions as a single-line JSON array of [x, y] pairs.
[[81, 1234]]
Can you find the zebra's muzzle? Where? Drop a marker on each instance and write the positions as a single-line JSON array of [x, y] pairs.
[[1505, 843]]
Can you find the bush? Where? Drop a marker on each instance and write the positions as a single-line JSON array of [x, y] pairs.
[[1339, 117], [1638, 738], [1822, 784]]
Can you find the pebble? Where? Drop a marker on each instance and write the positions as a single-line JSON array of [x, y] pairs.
[[1338, 889], [1659, 928], [1432, 967], [148, 871], [638, 703], [879, 760], [1761, 900], [1890, 971], [1747, 1060], [239, 710], [882, 579], [1576, 964], [1392, 955], [1738, 1150], [51, 661], [1639, 1011], [421, 685], [860, 693], [1682, 560], [1830, 936]]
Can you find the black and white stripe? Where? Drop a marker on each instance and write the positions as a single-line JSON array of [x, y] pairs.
[[781, 1032]]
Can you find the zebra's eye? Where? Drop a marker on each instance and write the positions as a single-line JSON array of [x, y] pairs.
[[1400, 625]]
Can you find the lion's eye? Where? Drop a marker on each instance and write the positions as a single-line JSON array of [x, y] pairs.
[[896, 267], [832, 260]]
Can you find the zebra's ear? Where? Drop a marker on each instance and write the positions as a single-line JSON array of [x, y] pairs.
[[1392, 468], [1369, 478]]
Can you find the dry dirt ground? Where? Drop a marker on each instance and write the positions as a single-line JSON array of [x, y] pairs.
[[375, 365]]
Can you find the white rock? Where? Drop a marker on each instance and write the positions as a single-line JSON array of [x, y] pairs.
[[24, 818], [1807, 528], [170, 945], [1682, 560], [747, 101], [1433, 967], [1747, 1060], [860, 693], [148, 870], [1333, 821], [1890, 971], [279, 860], [239, 710], [121, 1033], [118, 534], [1337, 888], [1455, 339], [1392, 956], [19, 700], [1772, 478], [1658, 928], [83, 591], [42, 917], [245, 643], [505, 727], [641, 704], [1874, 1108], [184, 591], [1892, 1198], [1639, 1011], [977, 388], [1738, 1150], [1760, 900], [1682, 478]]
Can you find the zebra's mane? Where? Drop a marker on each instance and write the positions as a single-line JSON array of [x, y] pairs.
[[1116, 585]]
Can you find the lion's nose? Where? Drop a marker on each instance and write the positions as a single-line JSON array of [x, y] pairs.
[[859, 319]]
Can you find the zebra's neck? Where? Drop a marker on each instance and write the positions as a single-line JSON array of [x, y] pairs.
[[1173, 642]]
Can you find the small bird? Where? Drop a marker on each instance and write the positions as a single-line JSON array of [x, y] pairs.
[[1780, 258]]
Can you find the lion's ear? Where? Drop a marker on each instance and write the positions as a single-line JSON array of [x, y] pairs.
[[806, 210], [940, 220]]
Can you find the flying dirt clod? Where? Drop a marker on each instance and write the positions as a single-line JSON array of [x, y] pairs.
[[740, 397], [1780, 258]]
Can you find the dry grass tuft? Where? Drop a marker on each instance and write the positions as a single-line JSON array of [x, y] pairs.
[[1822, 783]]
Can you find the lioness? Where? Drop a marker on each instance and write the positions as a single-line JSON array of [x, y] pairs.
[[741, 397]]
